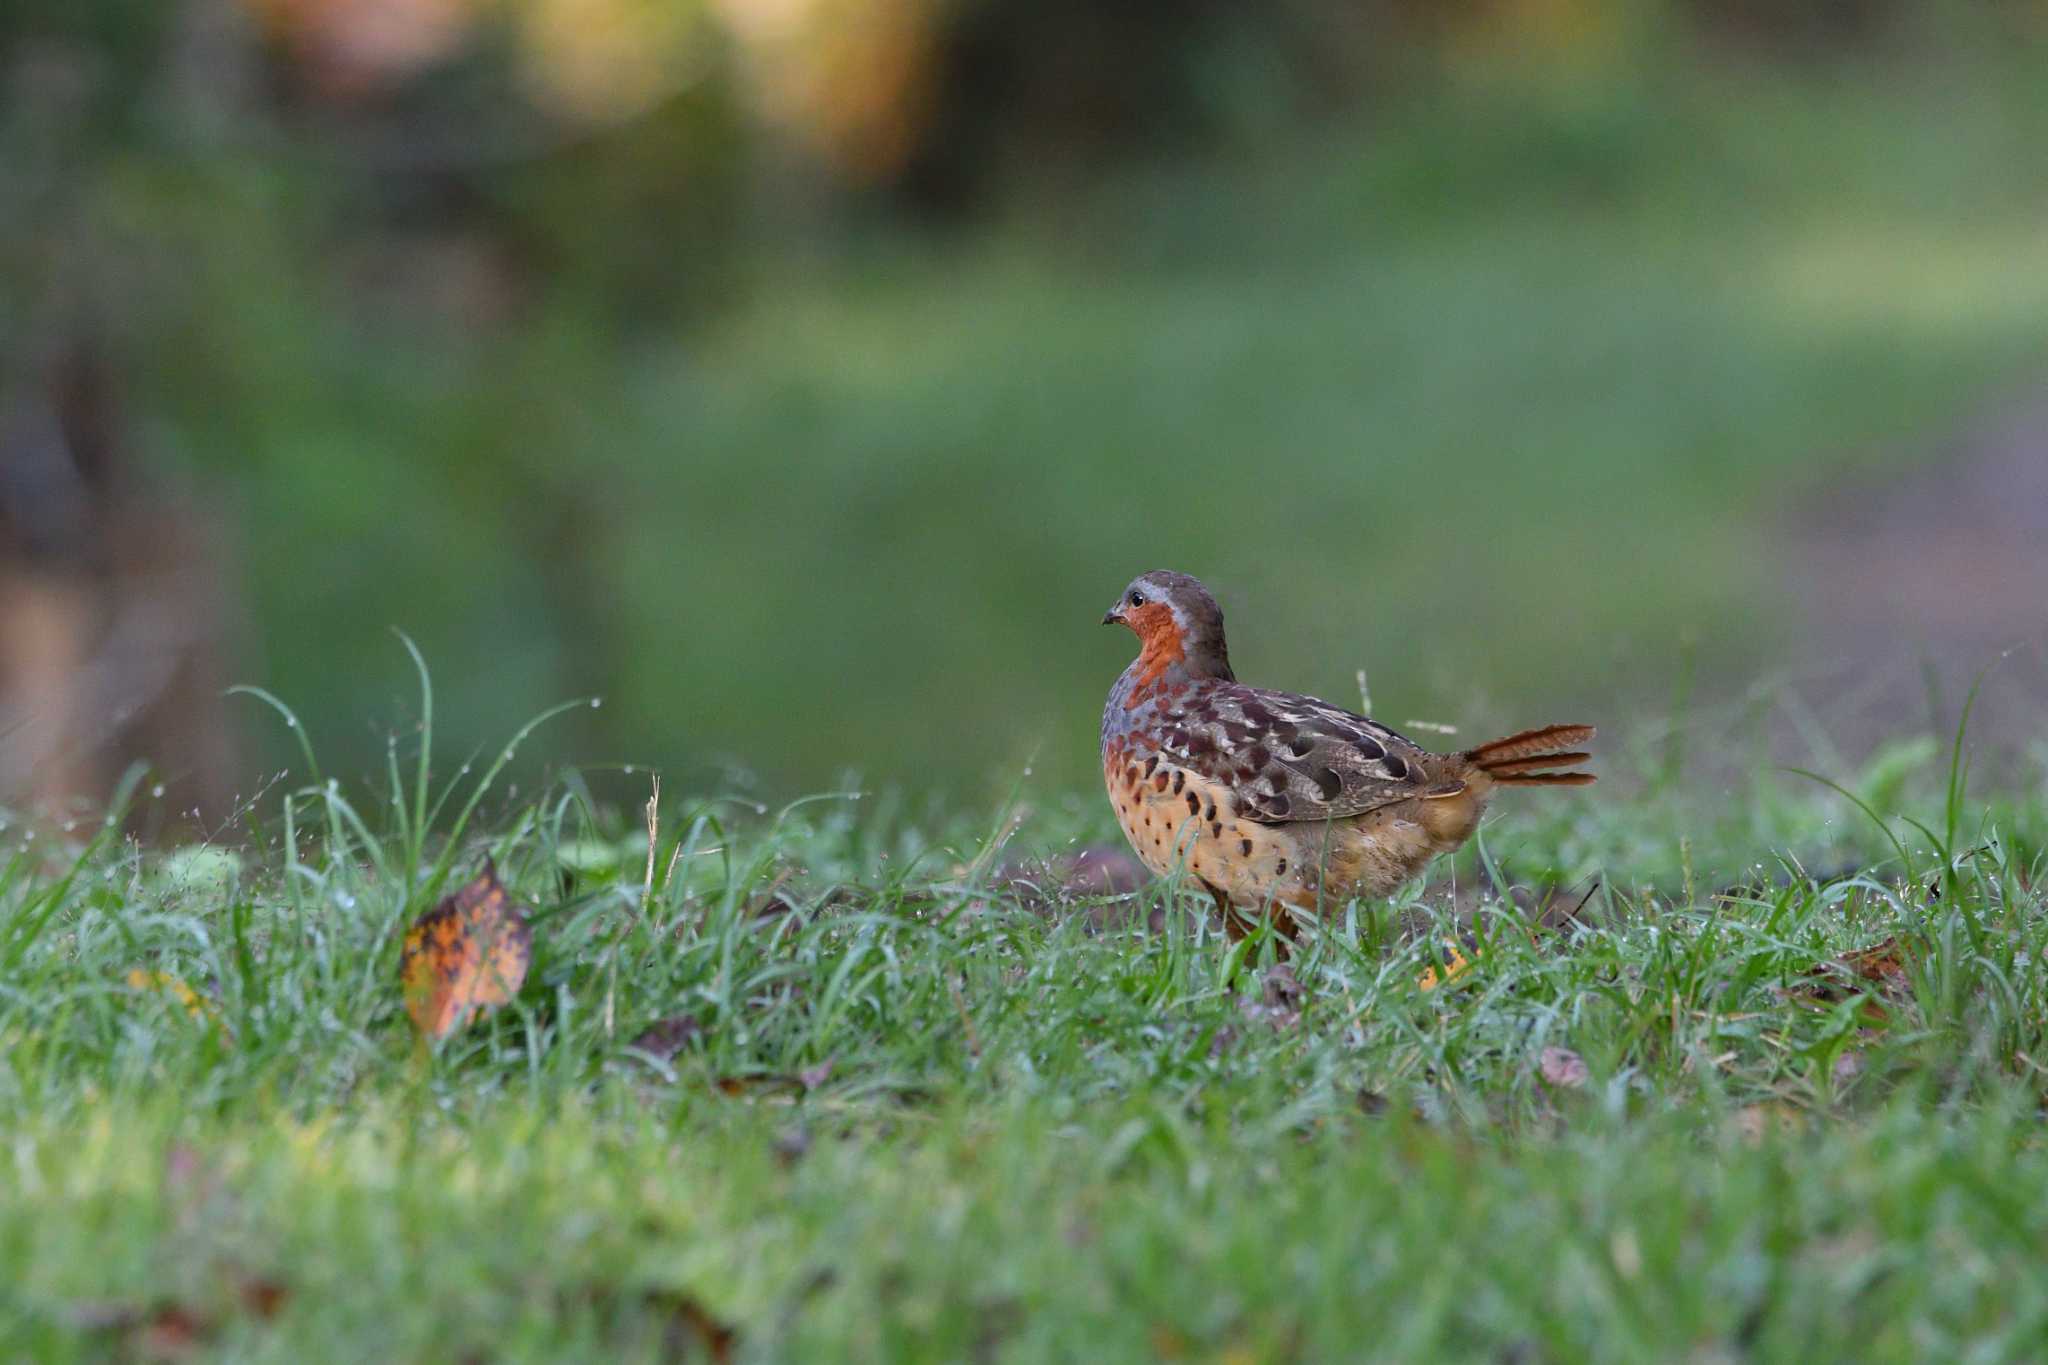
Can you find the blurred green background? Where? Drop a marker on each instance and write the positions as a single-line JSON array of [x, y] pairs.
[[806, 376]]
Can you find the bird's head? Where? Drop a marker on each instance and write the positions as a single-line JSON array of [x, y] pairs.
[[1176, 621]]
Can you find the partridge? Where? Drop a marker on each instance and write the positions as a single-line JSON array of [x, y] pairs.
[[1276, 802]]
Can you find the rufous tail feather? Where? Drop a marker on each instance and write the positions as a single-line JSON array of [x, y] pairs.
[[1531, 758]]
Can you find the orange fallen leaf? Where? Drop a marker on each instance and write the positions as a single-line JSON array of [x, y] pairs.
[[1884, 963], [465, 957], [1454, 965]]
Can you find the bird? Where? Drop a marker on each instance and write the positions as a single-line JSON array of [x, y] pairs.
[[1275, 802]]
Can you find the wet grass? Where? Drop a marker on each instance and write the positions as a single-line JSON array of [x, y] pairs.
[[1755, 1097]]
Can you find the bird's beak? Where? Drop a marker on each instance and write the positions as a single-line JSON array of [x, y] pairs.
[[1113, 617]]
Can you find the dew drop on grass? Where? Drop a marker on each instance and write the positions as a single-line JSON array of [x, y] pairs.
[[291, 722], [629, 770], [596, 702], [157, 790]]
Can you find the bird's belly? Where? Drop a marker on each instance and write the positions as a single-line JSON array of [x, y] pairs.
[[1177, 821]]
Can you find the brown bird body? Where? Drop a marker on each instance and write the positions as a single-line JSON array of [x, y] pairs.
[[1281, 802]]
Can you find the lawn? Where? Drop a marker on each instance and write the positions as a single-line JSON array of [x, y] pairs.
[[1761, 1082]]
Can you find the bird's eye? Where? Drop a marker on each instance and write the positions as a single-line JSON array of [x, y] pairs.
[[1137, 599]]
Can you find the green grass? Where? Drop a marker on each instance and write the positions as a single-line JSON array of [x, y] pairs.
[[925, 1121]]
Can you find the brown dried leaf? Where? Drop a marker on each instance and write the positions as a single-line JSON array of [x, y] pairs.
[[686, 1326], [161, 1330], [170, 1330], [1882, 965], [791, 1145], [262, 1297], [1169, 1342], [664, 1038], [1282, 989], [1279, 1005], [1563, 1068], [689, 1323], [465, 957], [1757, 1121], [745, 1082]]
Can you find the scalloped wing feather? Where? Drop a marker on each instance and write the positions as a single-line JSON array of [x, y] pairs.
[[1288, 758]]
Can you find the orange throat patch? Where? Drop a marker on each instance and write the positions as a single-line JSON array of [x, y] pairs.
[[1162, 647]]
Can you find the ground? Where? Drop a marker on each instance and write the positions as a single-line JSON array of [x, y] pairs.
[[1913, 582], [1746, 1079]]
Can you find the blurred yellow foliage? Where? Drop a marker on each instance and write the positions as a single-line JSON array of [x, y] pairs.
[[851, 78], [605, 60]]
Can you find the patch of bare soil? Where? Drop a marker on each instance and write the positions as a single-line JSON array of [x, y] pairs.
[[1912, 584]]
